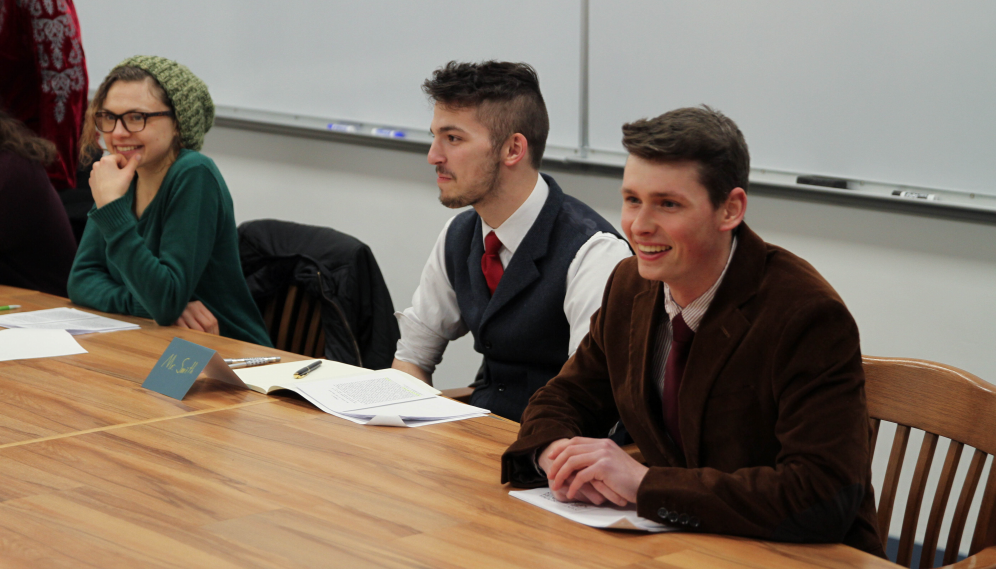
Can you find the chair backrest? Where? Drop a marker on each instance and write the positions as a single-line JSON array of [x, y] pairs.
[[942, 401], [332, 267], [294, 321]]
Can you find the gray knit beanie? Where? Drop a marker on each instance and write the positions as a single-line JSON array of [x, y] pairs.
[[191, 101]]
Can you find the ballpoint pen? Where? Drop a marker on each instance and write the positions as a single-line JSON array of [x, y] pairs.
[[9, 307], [307, 369], [249, 362]]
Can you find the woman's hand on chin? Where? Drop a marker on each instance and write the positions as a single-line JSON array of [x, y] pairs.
[[111, 177]]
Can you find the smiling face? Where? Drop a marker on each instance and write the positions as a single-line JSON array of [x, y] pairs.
[[678, 236], [467, 167], [155, 142]]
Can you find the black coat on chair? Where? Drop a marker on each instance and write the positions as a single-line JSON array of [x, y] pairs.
[[294, 269]]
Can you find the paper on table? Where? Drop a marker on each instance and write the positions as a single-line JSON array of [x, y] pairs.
[[420, 406], [364, 391], [25, 344], [422, 410], [606, 517], [69, 319], [272, 377], [418, 413]]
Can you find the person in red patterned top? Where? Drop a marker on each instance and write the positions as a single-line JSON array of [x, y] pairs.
[[44, 82]]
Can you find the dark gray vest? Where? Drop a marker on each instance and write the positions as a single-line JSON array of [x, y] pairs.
[[522, 330]]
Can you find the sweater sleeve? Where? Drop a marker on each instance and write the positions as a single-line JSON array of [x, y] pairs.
[[91, 284], [164, 284]]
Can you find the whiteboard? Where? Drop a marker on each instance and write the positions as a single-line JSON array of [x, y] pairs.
[[890, 91], [362, 61]]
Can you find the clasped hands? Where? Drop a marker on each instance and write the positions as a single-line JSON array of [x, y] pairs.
[[591, 470]]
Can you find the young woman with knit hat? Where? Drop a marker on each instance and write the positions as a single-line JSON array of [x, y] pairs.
[[161, 241]]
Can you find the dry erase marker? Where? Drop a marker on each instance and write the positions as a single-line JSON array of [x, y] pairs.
[[342, 127], [915, 195], [388, 132], [249, 362], [10, 307], [307, 369]]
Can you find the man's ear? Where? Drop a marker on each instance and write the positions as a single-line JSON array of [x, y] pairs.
[[515, 149], [733, 209]]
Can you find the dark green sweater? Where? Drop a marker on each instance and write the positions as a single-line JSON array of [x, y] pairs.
[[183, 248]]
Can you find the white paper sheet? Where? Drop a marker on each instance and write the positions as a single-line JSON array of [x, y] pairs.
[[365, 391], [268, 377], [429, 411], [606, 517], [70, 319], [22, 344]]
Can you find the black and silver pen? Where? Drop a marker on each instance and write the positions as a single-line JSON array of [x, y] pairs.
[[307, 369]]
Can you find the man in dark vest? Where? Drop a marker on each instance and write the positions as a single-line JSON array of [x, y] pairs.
[[523, 270]]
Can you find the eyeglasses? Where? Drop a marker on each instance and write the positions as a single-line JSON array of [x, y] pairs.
[[133, 121]]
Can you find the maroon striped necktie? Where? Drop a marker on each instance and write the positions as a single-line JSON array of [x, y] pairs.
[[674, 369], [491, 262]]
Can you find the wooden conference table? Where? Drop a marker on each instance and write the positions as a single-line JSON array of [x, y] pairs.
[[97, 472]]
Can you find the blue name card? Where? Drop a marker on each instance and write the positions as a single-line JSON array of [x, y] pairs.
[[178, 368]]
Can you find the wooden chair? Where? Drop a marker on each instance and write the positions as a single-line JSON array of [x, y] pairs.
[[294, 321], [942, 401]]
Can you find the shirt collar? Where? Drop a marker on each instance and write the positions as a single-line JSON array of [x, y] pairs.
[[696, 309], [514, 230]]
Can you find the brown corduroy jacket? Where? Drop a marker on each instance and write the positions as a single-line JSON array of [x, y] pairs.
[[772, 405]]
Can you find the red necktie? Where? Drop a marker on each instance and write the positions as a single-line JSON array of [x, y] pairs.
[[491, 262], [674, 369]]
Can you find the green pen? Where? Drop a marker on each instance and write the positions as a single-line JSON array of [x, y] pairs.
[[10, 307]]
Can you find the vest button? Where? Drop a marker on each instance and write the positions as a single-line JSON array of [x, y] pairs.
[[662, 513], [487, 345], [501, 387]]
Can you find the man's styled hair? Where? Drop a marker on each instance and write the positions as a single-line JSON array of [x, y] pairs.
[[506, 96], [699, 134]]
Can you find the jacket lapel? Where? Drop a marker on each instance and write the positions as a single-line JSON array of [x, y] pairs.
[[522, 270], [720, 332]]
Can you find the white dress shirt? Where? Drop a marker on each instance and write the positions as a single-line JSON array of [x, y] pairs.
[[433, 320]]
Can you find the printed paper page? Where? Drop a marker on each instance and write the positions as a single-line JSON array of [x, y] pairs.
[[365, 391], [605, 516], [266, 378]]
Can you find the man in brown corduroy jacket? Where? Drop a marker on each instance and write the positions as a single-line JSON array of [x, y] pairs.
[[734, 366]]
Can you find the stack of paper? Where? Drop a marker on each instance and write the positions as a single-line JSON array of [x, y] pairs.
[[605, 516], [387, 397], [68, 319], [26, 344]]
